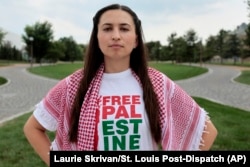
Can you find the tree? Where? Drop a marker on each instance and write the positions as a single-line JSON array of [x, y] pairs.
[[200, 49], [38, 38], [181, 49], [171, 45], [221, 44], [211, 48], [246, 41], [55, 52], [82, 49], [71, 50], [232, 49], [6, 51], [246, 50], [2, 35], [164, 53], [9, 52], [154, 48], [157, 50], [191, 39], [177, 48]]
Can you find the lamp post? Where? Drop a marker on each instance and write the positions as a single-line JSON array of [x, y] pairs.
[[31, 51]]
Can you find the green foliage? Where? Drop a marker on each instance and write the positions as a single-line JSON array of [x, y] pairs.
[[71, 51], [9, 52], [53, 55], [246, 41], [177, 48], [232, 46], [38, 39], [221, 43], [186, 48], [152, 46], [2, 35], [2, 80], [211, 47], [246, 50]]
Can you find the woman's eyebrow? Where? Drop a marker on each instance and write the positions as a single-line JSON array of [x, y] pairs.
[[110, 24]]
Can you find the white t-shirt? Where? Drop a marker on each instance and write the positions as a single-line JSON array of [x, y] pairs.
[[123, 122]]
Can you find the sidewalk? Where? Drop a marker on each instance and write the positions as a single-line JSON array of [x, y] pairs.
[[218, 85], [22, 91]]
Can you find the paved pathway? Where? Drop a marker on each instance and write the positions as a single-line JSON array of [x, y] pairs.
[[24, 90], [218, 85]]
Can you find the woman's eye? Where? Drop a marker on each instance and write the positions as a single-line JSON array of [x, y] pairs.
[[124, 29], [107, 29]]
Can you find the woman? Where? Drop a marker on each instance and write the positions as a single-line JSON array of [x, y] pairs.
[[117, 102]]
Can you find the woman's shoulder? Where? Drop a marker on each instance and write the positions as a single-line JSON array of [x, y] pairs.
[[159, 78], [152, 70], [155, 74], [76, 75]]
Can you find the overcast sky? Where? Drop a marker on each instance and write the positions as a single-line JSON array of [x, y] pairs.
[[159, 18]]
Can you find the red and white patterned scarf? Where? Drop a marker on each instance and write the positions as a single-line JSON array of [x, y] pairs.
[[181, 119]]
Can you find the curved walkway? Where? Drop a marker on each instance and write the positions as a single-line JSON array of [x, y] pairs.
[[24, 89], [218, 85]]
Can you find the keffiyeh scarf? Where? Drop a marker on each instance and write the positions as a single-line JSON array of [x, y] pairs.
[[182, 120]]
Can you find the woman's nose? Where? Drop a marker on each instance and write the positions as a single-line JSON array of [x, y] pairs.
[[116, 34]]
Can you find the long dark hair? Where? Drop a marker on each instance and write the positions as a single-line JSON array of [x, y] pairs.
[[138, 63]]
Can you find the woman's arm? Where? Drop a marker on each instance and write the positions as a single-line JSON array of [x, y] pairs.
[[37, 137], [208, 136]]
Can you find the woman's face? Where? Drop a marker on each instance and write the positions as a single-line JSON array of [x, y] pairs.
[[116, 35]]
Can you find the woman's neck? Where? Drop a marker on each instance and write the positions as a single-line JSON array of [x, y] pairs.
[[115, 66]]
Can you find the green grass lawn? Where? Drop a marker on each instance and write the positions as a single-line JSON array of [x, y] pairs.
[[232, 123], [57, 71], [178, 72], [244, 77], [175, 72], [2, 80]]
